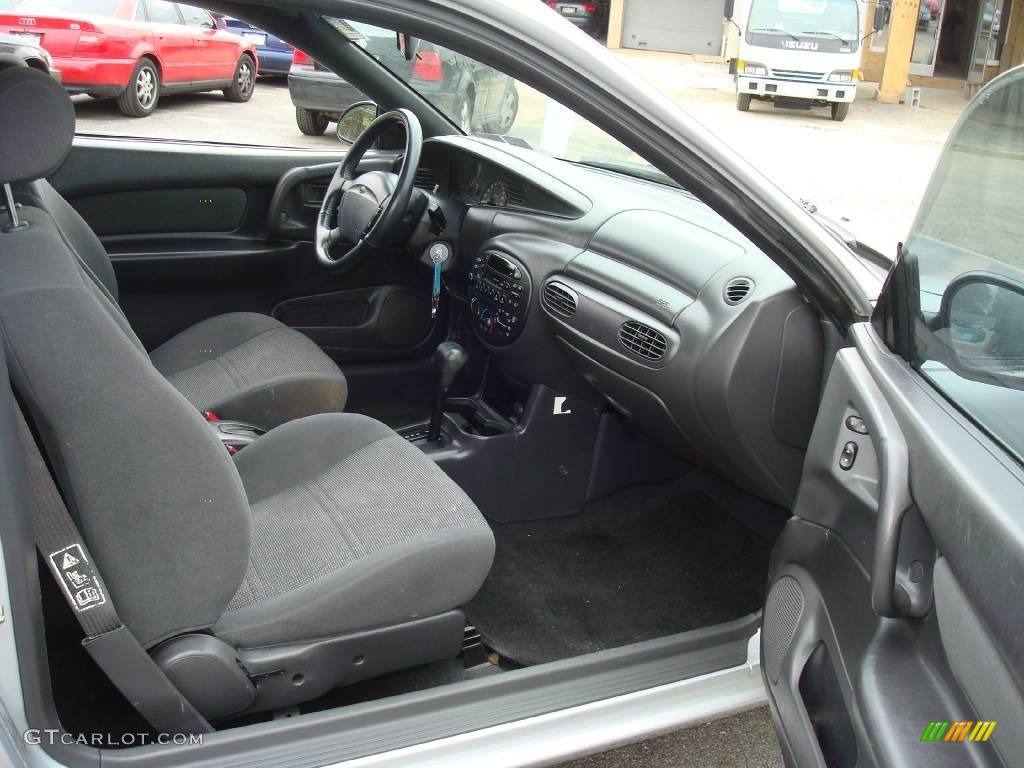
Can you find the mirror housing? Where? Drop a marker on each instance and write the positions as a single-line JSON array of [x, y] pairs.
[[981, 320], [408, 46], [729, 9], [881, 16], [354, 119]]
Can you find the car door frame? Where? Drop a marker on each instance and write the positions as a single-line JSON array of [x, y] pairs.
[[891, 573]]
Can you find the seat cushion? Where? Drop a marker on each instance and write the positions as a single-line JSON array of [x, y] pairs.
[[252, 368], [353, 528]]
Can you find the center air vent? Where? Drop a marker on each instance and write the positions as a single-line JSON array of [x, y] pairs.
[[737, 290], [642, 340], [560, 299]]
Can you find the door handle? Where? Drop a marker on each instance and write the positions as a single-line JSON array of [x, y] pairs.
[[894, 499]]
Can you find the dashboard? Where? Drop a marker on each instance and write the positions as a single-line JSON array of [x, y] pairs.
[[636, 295]]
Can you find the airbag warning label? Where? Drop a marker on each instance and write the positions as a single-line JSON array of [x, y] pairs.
[[78, 577]]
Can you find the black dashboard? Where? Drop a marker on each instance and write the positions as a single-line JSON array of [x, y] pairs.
[[637, 295]]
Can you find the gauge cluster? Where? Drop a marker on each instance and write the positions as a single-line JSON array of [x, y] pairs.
[[482, 184]]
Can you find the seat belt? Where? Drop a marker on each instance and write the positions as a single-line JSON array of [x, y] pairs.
[[110, 643]]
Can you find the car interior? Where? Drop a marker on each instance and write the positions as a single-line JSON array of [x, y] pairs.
[[429, 409]]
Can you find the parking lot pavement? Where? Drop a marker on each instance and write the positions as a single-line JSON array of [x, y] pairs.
[[870, 170], [746, 740]]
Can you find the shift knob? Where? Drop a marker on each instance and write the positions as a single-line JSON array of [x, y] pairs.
[[449, 359]]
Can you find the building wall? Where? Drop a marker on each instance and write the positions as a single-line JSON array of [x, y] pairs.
[[873, 61], [1013, 48]]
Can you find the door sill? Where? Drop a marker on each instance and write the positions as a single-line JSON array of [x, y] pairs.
[[602, 699]]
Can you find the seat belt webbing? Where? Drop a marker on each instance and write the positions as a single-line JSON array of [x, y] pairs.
[[111, 644]]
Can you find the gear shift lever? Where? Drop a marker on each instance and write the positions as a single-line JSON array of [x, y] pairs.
[[449, 359]]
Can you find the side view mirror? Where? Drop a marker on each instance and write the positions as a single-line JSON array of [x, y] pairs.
[[729, 9], [407, 45], [981, 320], [354, 120], [881, 16]]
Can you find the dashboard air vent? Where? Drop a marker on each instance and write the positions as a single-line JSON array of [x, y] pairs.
[[737, 290], [426, 178], [516, 192], [642, 340], [560, 299]]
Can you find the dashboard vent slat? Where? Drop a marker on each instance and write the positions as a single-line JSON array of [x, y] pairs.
[[642, 340], [560, 299], [426, 178], [737, 290], [516, 192]]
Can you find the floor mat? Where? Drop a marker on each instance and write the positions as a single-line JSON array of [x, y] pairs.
[[644, 563]]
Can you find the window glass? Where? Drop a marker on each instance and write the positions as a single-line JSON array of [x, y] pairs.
[[966, 248], [161, 12], [196, 17]]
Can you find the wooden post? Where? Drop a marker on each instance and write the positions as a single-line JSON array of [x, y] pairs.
[[898, 47], [615, 24]]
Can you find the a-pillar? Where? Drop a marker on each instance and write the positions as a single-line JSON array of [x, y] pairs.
[[898, 46]]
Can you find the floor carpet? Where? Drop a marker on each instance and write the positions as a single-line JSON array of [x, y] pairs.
[[646, 562]]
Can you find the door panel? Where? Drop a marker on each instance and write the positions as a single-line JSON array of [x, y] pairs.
[[215, 51], [950, 650], [188, 230]]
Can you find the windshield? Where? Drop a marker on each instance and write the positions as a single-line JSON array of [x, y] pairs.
[[805, 18], [485, 102]]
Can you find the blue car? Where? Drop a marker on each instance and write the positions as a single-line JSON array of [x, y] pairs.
[[275, 54]]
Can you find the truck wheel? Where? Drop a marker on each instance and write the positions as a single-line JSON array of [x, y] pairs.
[[244, 81], [840, 110], [139, 99], [743, 102], [311, 123]]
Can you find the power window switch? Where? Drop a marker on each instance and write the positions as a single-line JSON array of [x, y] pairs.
[[848, 456]]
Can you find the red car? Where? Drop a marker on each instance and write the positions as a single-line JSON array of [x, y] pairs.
[[136, 50]]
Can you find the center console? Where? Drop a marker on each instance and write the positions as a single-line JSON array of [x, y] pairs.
[[499, 293]]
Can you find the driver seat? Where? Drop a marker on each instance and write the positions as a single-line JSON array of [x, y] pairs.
[[242, 366]]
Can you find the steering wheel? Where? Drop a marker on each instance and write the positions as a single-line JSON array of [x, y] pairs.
[[363, 214]]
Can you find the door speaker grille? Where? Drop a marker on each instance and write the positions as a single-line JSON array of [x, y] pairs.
[[782, 612], [560, 299], [642, 340]]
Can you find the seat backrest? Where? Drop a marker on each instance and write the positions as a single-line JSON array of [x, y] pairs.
[[154, 493], [77, 234]]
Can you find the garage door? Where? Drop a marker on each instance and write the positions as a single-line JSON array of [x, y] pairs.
[[679, 26]]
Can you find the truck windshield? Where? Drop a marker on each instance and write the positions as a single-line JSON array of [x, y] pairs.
[[806, 18]]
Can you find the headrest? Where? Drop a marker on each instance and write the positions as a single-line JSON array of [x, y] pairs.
[[37, 125]]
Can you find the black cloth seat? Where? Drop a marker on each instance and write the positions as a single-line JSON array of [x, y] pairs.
[[351, 528], [243, 366], [327, 527]]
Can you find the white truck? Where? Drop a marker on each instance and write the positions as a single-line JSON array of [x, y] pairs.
[[798, 54]]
